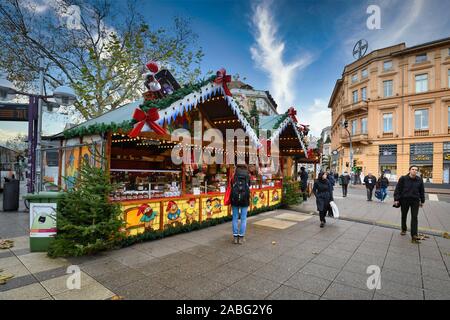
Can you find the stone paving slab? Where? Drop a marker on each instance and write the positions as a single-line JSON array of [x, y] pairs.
[[300, 262]]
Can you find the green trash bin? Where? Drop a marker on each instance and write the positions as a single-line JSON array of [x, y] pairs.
[[42, 219]]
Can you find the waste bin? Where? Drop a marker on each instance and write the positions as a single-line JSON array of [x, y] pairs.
[[11, 195], [42, 219]]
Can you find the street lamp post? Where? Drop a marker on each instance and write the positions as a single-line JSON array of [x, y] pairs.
[[345, 123], [63, 96]]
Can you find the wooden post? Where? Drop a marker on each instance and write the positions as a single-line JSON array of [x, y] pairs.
[[183, 179], [108, 148], [161, 215], [60, 163]]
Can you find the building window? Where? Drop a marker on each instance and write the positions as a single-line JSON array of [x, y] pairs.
[[354, 78], [364, 74], [355, 96], [421, 83], [387, 88], [448, 77], [353, 127], [387, 122], [387, 65], [421, 119], [421, 57], [364, 94], [364, 125]]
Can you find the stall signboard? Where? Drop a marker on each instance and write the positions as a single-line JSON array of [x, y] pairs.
[[42, 220]]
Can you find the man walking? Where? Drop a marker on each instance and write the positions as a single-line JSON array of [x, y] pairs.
[[410, 193], [345, 180], [332, 182], [370, 182]]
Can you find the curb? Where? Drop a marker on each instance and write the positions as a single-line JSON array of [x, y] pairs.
[[432, 232]]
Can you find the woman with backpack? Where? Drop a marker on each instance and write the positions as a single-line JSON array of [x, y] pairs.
[[323, 191], [240, 200]]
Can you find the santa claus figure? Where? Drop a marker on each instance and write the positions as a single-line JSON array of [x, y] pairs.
[[153, 86]]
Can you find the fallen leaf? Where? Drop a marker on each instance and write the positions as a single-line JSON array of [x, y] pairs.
[[274, 242], [117, 298], [446, 236], [315, 252]]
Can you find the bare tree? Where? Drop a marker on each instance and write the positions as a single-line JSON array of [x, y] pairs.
[[101, 55]]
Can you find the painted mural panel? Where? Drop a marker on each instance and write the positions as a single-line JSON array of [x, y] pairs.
[[274, 197], [179, 212], [213, 208], [71, 163], [141, 217], [259, 199]]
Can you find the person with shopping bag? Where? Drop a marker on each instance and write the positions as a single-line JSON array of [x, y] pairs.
[[238, 196], [323, 193]]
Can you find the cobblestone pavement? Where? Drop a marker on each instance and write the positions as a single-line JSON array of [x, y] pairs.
[[286, 256]]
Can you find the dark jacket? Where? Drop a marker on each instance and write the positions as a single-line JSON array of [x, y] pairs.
[[234, 202], [370, 182], [409, 188], [345, 179], [331, 180], [323, 193], [383, 182], [304, 179]]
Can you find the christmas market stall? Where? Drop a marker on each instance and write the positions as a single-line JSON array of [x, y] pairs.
[[143, 145]]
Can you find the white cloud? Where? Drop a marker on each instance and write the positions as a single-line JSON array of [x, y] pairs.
[[268, 51], [317, 115]]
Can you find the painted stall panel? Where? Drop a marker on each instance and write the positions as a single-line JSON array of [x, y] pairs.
[[259, 199], [213, 207], [179, 212], [141, 217], [274, 197]]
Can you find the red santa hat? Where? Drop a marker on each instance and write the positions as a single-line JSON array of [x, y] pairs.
[[170, 205], [142, 208]]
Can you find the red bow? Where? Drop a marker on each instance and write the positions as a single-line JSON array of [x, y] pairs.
[[223, 78], [150, 117], [291, 113]]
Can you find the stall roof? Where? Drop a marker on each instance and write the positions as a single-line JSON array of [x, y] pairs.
[[170, 113], [277, 124]]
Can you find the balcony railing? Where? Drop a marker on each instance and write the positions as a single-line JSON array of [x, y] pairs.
[[357, 137], [421, 133], [357, 107]]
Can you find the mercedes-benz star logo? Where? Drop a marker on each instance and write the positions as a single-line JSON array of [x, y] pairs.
[[360, 49]]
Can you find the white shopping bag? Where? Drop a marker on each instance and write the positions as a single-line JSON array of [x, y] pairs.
[[335, 209]]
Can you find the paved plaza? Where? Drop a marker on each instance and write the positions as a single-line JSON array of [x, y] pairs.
[[286, 256]]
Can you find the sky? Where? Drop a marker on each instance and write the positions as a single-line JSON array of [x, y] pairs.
[[295, 49]]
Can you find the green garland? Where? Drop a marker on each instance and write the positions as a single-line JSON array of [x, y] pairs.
[[98, 129], [243, 112], [128, 124], [154, 235]]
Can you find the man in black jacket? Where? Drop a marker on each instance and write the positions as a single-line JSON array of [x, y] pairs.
[[410, 193], [304, 182], [345, 180], [370, 181]]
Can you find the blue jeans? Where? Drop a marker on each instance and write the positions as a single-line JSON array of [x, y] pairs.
[[236, 230], [383, 193]]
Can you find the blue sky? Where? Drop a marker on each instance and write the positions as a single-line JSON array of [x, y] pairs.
[[294, 49]]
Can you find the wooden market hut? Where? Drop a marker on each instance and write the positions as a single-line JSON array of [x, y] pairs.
[[154, 191]]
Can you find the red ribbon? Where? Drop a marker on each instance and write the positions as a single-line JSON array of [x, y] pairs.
[[292, 113], [223, 78], [150, 117]]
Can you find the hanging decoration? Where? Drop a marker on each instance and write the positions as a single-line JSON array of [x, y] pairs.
[[222, 78], [292, 113], [148, 118], [153, 86]]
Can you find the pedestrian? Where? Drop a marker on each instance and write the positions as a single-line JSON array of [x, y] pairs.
[[345, 180], [383, 183], [240, 200], [303, 182], [410, 193], [370, 182], [323, 194], [330, 177]]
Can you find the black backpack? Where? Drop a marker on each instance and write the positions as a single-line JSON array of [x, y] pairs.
[[240, 191]]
